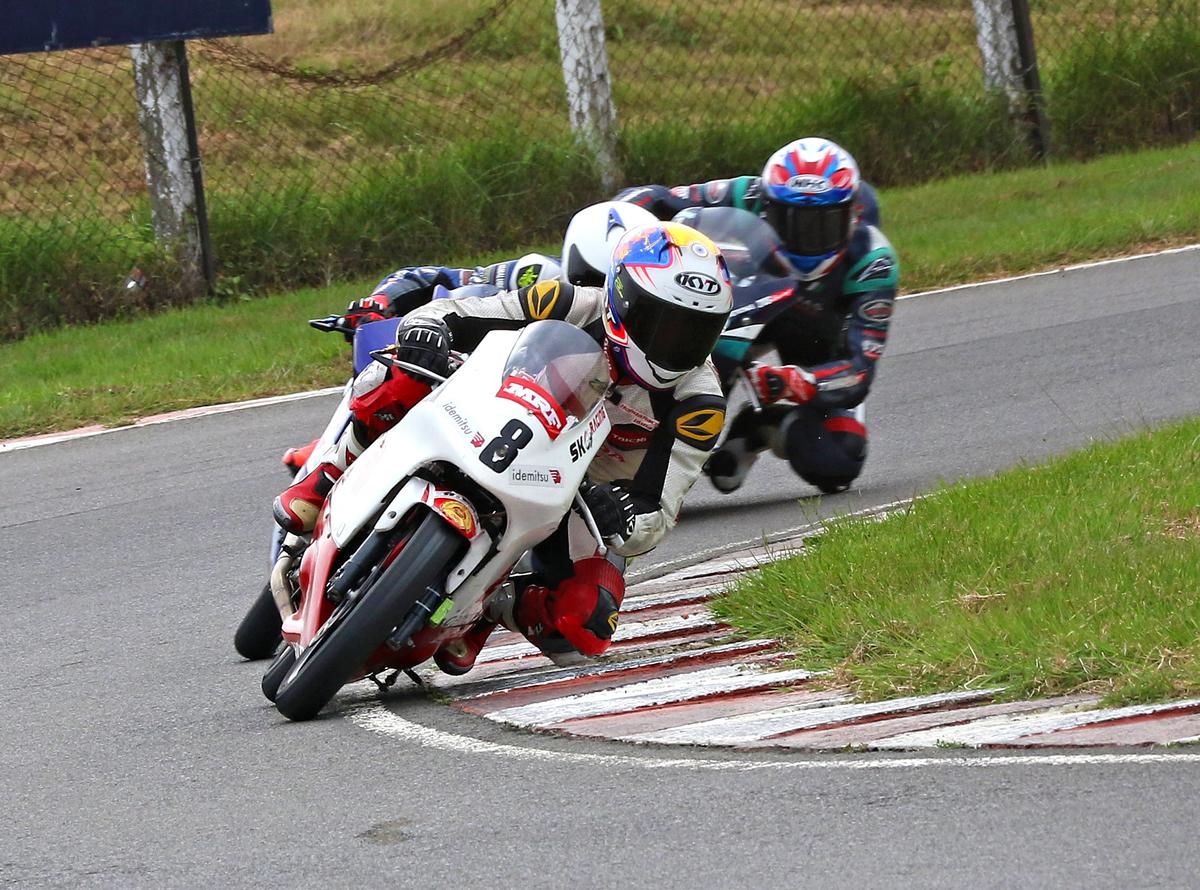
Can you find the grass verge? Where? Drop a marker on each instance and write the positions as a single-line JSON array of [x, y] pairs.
[[948, 232], [1077, 574]]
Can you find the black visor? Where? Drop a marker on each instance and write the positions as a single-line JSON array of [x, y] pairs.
[[673, 337], [810, 229]]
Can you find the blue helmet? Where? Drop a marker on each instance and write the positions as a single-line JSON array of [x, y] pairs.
[[809, 192]]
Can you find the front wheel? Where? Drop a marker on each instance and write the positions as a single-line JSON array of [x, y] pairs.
[[258, 635], [277, 671], [358, 627]]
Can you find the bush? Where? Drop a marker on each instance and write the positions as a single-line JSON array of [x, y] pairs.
[[1108, 95], [902, 130]]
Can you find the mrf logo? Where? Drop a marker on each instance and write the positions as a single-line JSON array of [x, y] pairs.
[[698, 283], [537, 401]]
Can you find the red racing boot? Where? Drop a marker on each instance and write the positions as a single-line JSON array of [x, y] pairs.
[[296, 510], [576, 618]]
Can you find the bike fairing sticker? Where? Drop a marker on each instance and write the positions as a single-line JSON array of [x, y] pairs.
[[537, 401], [545, 476], [582, 446]]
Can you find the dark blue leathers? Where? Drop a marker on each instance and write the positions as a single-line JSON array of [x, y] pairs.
[[834, 327], [405, 289]]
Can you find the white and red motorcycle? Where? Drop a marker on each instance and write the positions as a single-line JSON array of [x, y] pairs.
[[433, 516]]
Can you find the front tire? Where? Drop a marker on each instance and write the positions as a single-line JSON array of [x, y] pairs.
[[258, 636], [277, 671], [357, 628]]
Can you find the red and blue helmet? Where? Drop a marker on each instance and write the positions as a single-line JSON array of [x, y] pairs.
[[809, 190], [668, 296]]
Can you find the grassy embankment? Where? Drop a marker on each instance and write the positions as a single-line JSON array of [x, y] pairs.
[[946, 232], [1080, 574], [309, 183]]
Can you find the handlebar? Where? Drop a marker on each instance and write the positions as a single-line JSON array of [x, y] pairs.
[[332, 324], [385, 357]]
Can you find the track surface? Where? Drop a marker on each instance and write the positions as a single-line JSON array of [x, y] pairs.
[[137, 751]]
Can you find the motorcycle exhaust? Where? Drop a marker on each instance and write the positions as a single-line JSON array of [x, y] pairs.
[[291, 547]]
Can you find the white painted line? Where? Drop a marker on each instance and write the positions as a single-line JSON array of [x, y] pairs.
[[1058, 271], [658, 691], [378, 719], [171, 417], [744, 728], [642, 601], [523, 681], [699, 619], [1011, 727]]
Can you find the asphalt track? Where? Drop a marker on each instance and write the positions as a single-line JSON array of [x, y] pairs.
[[136, 750]]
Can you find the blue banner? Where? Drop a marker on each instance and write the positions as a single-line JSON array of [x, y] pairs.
[[45, 25]]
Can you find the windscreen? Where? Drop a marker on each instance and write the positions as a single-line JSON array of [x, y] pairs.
[[749, 245], [563, 363]]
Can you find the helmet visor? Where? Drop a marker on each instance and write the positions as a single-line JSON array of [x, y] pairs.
[[810, 229], [673, 337]]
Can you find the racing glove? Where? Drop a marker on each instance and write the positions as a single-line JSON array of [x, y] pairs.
[[368, 309], [612, 507], [784, 382], [424, 342]]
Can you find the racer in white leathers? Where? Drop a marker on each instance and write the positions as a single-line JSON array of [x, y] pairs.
[[665, 301]]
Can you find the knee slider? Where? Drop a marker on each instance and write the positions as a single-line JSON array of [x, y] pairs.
[[825, 451]]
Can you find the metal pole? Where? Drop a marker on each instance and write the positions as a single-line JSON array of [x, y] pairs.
[[1035, 106]]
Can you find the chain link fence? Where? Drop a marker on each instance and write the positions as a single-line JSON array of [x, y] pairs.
[[322, 161]]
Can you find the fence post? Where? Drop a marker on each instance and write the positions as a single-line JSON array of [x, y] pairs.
[[589, 87], [1031, 79], [172, 159], [1004, 34]]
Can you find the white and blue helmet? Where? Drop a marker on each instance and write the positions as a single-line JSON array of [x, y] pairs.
[[809, 189]]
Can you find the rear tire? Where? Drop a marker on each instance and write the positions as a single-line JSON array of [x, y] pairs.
[[258, 636], [356, 629]]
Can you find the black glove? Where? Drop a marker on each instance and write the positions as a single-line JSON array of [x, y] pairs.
[[424, 342], [612, 508]]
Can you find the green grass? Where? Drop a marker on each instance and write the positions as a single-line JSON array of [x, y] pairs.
[[946, 232], [1079, 574], [973, 227]]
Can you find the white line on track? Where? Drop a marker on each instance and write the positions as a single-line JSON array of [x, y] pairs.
[[378, 719], [1111, 261], [204, 411], [185, 414]]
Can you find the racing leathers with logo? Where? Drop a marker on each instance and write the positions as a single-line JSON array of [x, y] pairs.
[[659, 441], [829, 334], [405, 289]]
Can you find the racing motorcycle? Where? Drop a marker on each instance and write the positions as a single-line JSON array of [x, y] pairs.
[[258, 633], [436, 512]]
